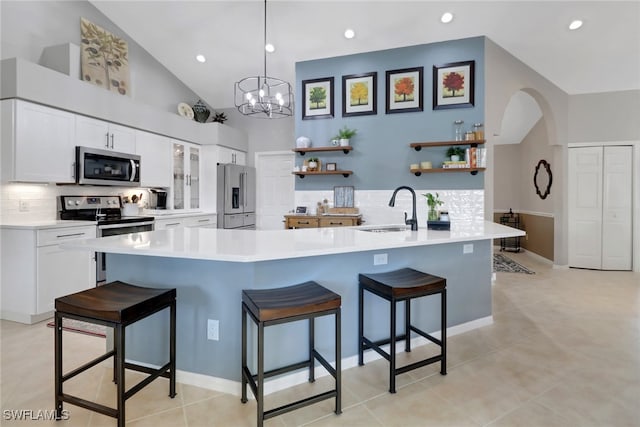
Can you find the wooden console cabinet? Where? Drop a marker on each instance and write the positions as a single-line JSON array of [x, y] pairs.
[[315, 221]]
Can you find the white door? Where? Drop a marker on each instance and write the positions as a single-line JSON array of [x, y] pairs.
[[585, 207], [616, 209], [275, 188], [600, 207]]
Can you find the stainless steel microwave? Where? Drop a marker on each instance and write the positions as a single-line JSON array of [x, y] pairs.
[[104, 167]]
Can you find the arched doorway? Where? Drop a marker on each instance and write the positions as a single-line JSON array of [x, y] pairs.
[[524, 142]]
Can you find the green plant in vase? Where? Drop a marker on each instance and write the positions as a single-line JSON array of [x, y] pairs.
[[433, 202]]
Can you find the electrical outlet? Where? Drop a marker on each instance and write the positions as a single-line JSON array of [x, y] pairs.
[[380, 259], [23, 206], [213, 329], [467, 248]]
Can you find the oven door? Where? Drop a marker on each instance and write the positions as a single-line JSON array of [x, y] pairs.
[[114, 230]]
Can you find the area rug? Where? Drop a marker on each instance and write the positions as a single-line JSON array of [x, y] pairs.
[[80, 327], [505, 264]]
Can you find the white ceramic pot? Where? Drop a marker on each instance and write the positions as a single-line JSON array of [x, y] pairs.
[[455, 158], [344, 142], [303, 142], [313, 165]]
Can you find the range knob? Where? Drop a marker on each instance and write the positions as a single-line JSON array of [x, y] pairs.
[[77, 202], [70, 202]]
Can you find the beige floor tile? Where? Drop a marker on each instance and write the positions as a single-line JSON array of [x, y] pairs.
[[356, 416], [531, 414], [416, 406]]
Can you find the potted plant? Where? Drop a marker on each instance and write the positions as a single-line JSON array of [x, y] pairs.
[[344, 135], [455, 153], [312, 164], [433, 202]]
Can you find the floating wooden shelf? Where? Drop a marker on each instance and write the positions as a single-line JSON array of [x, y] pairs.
[[302, 151], [418, 145], [343, 173], [473, 171]]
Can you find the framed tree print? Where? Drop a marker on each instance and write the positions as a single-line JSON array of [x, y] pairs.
[[359, 94], [453, 85], [404, 90], [317, 98]]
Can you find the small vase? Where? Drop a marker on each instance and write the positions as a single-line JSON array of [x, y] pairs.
[[433, 215]]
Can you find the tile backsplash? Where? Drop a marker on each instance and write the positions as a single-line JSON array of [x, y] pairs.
[[375, 209], [40, 201]]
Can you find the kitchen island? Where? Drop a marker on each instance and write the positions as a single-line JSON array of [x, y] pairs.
[[210, 267]]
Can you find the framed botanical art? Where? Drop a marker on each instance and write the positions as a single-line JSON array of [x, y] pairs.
[[331, 167], [453, 85], [359, 97], [317, 98], [105, 58], [404, 90]]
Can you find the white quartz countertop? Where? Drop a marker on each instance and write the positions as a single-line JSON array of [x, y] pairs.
[[267, 245], [44, 224]]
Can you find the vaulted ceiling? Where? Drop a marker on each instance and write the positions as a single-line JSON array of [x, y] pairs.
[[602, 56]]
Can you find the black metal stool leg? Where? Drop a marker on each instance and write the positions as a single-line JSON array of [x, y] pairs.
[[172, 350], [360, 324], [392, 348], [443, 335], [407, 325], [312, 345], [260, 396], [119, 342], [58, 364], [243, 399], [338, 364]]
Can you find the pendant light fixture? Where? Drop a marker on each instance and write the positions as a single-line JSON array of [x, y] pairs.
[[263, 96]]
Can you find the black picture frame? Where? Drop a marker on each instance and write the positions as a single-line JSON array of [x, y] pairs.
[[543, 181], [311, 89], [394, 102], [365, 81], [443, 96]]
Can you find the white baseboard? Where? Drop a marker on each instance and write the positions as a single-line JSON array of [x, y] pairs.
[[287, 381]]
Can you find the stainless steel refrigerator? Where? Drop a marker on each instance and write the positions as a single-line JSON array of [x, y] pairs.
[[236, 204]]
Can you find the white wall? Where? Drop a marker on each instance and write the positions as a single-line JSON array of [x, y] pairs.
[[611, 116], [29, 26]]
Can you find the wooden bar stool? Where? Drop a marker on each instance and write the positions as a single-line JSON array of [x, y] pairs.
[[395, 286], [116, 305], [268, 307]]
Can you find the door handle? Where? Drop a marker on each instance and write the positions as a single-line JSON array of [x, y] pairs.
[[107, 137], [112, 141]]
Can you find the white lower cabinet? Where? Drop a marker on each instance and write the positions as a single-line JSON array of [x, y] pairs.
[[36, 271], [206, 220]]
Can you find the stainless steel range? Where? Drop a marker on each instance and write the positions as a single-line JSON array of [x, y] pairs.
[[105, 211]]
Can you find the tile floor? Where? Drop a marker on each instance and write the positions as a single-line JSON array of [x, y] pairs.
[[564, 351]]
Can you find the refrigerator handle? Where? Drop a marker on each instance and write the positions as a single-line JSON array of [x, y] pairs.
[[242, 189]]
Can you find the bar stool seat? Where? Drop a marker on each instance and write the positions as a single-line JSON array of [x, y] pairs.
[[268, 307], [115, 305], [402, 285]]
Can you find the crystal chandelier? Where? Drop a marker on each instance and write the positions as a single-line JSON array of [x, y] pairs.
[[263, 96]]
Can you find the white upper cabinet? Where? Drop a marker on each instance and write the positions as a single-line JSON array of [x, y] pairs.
[[229, 155], [37, 143], [103, 135], [186, 175], [155, 159]]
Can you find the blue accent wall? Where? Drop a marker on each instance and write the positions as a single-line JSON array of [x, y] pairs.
[[381, 156]]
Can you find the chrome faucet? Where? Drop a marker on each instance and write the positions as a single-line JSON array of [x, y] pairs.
[[413, 222]]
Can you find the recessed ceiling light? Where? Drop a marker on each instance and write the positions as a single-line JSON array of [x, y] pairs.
[[269, 48], [200, 58], [349, 33], [446, 17], [575, 24]]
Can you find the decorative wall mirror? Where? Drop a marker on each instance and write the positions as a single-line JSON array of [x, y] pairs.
[[542, 179]]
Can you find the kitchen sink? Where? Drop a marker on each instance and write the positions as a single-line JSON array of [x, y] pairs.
[[385, 229]]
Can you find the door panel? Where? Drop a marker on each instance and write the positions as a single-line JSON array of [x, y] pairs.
[[616, 213], [585, 207]]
